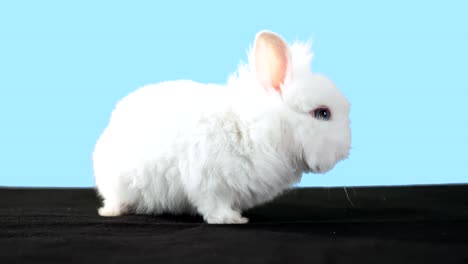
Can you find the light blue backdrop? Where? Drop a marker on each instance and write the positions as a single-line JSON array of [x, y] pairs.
[[402, 64]]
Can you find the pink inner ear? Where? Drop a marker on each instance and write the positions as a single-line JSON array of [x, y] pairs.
[[271, 60]]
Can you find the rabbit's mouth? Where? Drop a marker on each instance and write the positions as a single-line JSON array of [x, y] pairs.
[[304, 165], [320, 170], [311, 168], [314, 166], [316, 169]]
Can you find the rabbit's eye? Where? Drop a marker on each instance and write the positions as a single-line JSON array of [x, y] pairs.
[[322, 113]]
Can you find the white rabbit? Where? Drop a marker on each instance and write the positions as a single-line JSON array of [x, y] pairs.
[[184, 147]]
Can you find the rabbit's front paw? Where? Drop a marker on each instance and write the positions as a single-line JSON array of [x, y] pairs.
[[225, 217]]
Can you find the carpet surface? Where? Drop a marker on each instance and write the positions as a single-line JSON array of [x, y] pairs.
[[413, 224]]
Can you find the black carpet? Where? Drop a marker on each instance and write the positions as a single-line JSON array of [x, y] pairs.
[[417, 224]]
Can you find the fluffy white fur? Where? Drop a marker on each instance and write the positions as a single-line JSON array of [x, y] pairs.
[[184, 147]]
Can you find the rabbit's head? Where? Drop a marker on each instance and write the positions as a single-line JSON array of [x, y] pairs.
[[317, 112]]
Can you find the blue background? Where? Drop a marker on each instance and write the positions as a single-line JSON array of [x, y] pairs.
[[402, 64]]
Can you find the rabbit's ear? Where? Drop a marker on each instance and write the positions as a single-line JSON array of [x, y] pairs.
[[272, 60]]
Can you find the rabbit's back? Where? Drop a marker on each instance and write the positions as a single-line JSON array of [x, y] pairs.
[[156, 115]]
